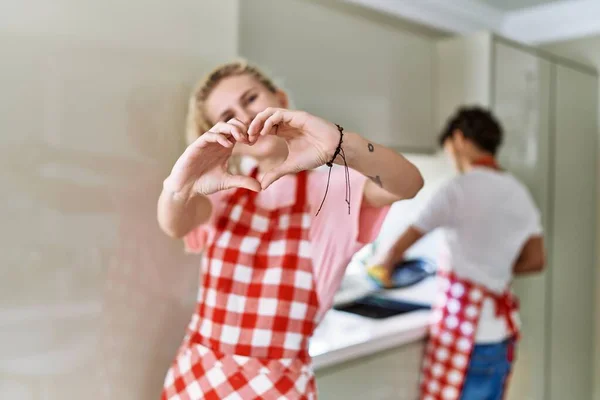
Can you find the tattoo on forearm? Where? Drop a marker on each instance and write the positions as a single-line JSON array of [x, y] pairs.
[[377, 180], [371, 147]]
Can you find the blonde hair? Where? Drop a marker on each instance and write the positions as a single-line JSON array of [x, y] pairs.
[[197, 122]]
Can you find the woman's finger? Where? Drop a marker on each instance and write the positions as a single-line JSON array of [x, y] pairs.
[[215, 137], [269, 124], [240, 181], [259, 120], [242, 128], [230, 129], [226, 134]]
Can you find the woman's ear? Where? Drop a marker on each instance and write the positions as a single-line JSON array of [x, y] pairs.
[[282, 98]]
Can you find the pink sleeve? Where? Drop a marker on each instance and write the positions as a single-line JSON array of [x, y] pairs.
[[196, 240], [335, 234], [371, 219]]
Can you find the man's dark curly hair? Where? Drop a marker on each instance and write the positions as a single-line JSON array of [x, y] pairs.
[[478, 125]]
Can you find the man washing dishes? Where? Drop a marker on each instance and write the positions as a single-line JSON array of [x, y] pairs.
[[493, 231]]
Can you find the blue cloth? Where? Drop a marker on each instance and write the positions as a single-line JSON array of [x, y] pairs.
[[488, 370]]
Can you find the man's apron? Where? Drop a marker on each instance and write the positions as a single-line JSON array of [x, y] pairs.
[[452, 333]]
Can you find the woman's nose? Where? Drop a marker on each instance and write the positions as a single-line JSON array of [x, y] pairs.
[[245, 116]]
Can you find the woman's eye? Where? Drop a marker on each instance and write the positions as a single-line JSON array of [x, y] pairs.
[[251, 98]]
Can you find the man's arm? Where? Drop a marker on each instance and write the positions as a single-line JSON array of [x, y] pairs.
[[439, 211], [396, 253], [532, 258]]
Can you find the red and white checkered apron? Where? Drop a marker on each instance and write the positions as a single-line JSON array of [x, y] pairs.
[[257, 307], [452, 334]]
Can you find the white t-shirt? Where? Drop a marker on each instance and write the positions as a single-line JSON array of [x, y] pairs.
[[487, 217]]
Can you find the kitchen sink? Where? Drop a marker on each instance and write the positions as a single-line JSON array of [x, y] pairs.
[[379, 307]]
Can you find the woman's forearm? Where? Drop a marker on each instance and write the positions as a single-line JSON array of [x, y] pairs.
[[385, 167], [178, 213]]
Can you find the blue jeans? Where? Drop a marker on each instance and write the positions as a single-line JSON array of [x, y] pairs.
[[488, 370]]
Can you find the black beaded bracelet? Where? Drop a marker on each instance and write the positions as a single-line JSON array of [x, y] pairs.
[[339, 151]]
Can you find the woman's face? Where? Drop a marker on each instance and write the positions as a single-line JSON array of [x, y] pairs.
[[242, 97]]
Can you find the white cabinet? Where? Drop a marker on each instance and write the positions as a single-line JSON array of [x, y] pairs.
[[390, 375], [463, 74], [370, 75], [571, 294], [548, 108], [521, 100]]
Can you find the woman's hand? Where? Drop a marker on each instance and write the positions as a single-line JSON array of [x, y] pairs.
[[202, 168], [311, 140]]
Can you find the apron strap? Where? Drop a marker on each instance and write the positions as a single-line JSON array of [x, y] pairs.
[[487, 161], [505, 304], [301, 190]]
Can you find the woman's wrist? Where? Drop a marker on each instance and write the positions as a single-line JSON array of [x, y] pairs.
[[351, 144], [178, 193]]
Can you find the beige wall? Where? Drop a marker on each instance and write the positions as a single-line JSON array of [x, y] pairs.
[[588, 51], [93, 298], [206, 28], [374, 73]]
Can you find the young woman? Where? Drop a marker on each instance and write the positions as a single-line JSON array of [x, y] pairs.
[[493, 231], [275, 241]]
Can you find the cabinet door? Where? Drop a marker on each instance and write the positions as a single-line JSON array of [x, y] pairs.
[[463, 74], [572, 248], [521, 100], [339, 63], [389, 375]]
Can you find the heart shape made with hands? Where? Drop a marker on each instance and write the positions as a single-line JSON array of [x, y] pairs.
[[203, 167]]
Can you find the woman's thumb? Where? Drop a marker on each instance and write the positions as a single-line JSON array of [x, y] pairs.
[[276, 173], [240, 181]]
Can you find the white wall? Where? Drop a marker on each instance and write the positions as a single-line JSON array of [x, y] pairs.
[[94, 299], [588, 51]]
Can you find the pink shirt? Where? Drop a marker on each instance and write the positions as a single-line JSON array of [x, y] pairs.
[[335, 235]]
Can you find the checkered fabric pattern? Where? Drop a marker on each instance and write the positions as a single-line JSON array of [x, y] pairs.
[[257, 307], [201, 373], [452, 337]]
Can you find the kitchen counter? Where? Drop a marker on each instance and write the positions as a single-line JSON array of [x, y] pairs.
[[343, 336]]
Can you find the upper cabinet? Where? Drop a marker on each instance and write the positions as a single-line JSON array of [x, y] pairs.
[[369, 74]]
